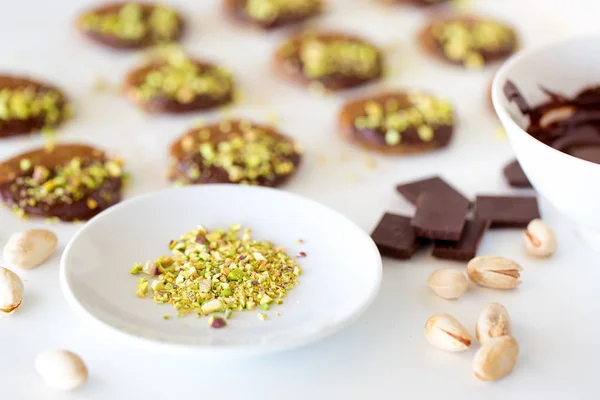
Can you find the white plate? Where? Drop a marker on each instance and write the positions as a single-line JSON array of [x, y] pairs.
[[341, 273]]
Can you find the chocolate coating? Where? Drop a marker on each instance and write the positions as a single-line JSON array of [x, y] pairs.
[[288, 63], [13, 127], [435, 47], [167, 104], [236, 10], [374, 139], [418, 3], [185, 157], [118, 43], [12, 193]]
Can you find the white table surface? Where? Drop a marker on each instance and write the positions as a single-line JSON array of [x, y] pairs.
[[384, 354]]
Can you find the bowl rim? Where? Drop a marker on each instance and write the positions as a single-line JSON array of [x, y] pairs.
[[506, 118], [227, 352]]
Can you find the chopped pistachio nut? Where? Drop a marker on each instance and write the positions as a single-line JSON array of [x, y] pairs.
[[465, 41], [267, 11], [222, 271], [423, 113], [67, 183], [262, 316], [25, 103], [216, 322], [133, 21], [338, 56], [184, 80], [247, 155]]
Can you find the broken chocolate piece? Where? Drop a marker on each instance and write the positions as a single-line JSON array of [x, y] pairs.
[[515, 176], [434, 185], [466, 248], [395, 238], [440, 217], [507, 211], [512, 93]]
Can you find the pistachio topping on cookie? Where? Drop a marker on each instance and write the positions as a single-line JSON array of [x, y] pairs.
[[236, 152], [418, 110], [473, 41], [182, 81], [267, 11], [133, 22], [29, 102]]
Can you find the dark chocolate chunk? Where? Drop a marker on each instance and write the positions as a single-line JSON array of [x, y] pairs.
[[395, 238], [440, 217], [507, 211], [515, 176], [512, 93], [588, 152], [466, 248], [434, 185], [580, 136]]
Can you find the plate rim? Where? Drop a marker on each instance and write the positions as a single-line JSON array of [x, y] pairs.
[[202, 349]]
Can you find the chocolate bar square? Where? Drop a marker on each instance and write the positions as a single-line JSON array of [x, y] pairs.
[[440, 217], [466, 248], [394, 237], [507, 211]]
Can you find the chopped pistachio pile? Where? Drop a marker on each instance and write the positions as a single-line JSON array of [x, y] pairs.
[[66, 183], [218, 271], [133, 22], [247, 154], [321, 58], [424, 114], [464, 41], [182, 79], [28, 102], [269, 10]]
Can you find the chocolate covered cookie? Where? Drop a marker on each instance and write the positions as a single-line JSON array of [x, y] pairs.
[[271, 14], [419, 3], [398, 122], [469, 41], [234, 152], [70, 182], [131, 25], [27, 106], [332, 61], [178, 84]]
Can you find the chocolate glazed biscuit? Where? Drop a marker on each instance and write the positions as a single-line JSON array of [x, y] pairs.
[[131, 25], [27, 105], [174, 88], [419, 3], [234, 152], [334, 61], [472, 42], [398, 122], [280, 13], [70, 182]]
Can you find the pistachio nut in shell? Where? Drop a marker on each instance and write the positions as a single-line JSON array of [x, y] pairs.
[[61, 369], [540, 240], [30, 248], [494, 272], [448, 283], [11, 291], [446, 333], [493, 321], [496, 358]]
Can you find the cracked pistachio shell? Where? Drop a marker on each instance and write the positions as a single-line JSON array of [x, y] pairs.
[[540, 240], [446, 333], [493, 321], [448, 283], [494, 272], [496, 358], [11, 291]]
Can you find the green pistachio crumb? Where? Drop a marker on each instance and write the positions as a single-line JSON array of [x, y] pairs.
[[196, 278], [392, 137], [262, 316], [24, 103], [266, 11], [166, 316]]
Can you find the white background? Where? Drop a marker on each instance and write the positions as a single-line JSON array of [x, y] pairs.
[[384, 354]]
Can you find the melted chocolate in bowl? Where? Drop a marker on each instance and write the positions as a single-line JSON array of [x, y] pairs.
[[570, 125]]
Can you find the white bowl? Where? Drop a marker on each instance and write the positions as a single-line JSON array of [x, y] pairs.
[[570, 184], [341, 272]]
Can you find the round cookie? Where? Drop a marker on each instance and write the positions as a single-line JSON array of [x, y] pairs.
[[471, 42], [131, 25], [70, 182], [234, 152], [272, 14], [419, 3], [398, 122], [27, 106], [333, 61], [178, 84]]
